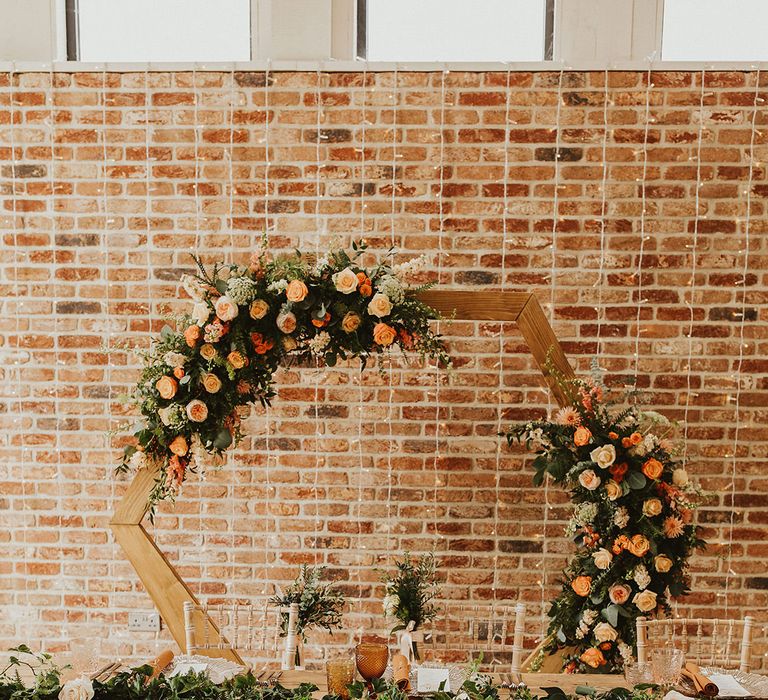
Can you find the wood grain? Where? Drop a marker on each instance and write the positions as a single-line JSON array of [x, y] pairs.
[[476, 306]]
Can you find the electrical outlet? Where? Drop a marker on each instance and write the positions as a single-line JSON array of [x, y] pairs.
[[144, 622]]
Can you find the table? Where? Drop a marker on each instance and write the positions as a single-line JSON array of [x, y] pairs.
[[535, 681]]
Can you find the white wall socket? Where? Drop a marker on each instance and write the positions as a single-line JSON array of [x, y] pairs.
[[144, 621]]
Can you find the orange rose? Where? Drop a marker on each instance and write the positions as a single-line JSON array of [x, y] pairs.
[[296, 291], [365, 290], [581, 436], [635, 439], [237, 360], [639, 545], [179, 446], [613, 436], [618, 471], [166, 386], [620, 544], [351, 322], [176, 469], [207, 351], [383, 334], [320, 322], [593, 657], [582, 585], [653, 468], [178, 372], [192, 335], [261, 344], [211, 383]]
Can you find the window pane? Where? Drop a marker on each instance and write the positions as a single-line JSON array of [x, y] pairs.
[[455, 30], [164, 30], [715, 30]]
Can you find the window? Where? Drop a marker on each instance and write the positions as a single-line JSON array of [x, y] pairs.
[[159, 30], [454, 30], [714, 30]]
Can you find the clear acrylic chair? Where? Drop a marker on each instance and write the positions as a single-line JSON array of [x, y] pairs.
[[707, 642]]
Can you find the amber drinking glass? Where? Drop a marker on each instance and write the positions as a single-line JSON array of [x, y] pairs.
[[339, 673], [371, 660]]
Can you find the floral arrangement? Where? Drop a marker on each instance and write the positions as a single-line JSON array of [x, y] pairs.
[[410, 591], [246, 322], [632, 521], [320, 605]]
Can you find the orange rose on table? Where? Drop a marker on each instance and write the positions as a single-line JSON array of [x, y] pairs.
[[593, 657], [639, 545], [296, 291], [166, 387], [179, 446], [653, 468], [383, 334], [581, 436], [211, 383], [582, 585]]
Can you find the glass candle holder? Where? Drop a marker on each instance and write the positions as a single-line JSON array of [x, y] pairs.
[[666, 664], [339, 674], [636, 673]]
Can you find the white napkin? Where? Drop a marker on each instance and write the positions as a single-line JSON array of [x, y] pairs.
[[728, 685]]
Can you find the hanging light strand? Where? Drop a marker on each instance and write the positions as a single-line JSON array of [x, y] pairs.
[[603, 212], [394, 155], [230, 166]]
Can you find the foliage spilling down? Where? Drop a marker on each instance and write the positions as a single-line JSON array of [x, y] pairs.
[[246, 322], [410, 590], [632, 520]]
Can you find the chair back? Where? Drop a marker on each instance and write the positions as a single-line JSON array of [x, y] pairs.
[[708, 642], [495, 634]]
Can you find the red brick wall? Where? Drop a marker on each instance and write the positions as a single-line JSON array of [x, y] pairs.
[[338, 471]]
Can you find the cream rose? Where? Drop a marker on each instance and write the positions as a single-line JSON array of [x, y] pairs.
[[604, 456], [207, 351], [197, 411], [345, 281], [226, 309], [613, 490], [351, 322], [286, 322], [211, 383], [652, 507], [605, 633], [662, 563], [680, 477], [201, 312], [76, 689], [619, 593], [589, 480], [258, 309], [603, 558], [296, 291], [645, 600], [379, 305]]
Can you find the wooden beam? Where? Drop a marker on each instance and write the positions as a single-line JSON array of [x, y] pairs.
[[476, 306]]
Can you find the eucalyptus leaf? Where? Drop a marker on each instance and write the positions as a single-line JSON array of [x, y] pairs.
[[223, 440], [636, 480]]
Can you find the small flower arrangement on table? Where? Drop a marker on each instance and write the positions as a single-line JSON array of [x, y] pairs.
[[632, 521], [246, 322], [410, 592]]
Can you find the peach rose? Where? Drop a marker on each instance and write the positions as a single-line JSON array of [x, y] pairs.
[[166, 386], [593, 657], [645, 600], [286, 322], [383, 334], [192, 335], [226, 309], [581, 436], [197, 411], [296, 291], [237, 359], [178, 372], [582, 585], [211, 383], [652, 507], [603, 456], [258, 309], [602, 558], [662, 563], [613, 490], [207, 351], [653, 468], [589, 480], [639, 545], [345, 281], [351, 322], [179, 446], [380, 305], [619, 593]]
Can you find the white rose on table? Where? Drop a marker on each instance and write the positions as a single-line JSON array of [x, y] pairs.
[[603, 558], [645, 600], [226, 309], [345, 281], [380, 305], [77, 689], [680, 477], [605, 633], [603, 456], [589, 480], [391, 603]]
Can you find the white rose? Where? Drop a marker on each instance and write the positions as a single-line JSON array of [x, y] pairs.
[[645, 600], [76, 689], [164, 414], [602, 558], [613, 490], [589, 480], [380, 305], [605, 633], [226, 309], [345, 281], [174, 359], [194, 287], [603, 456], [201, 312], [680, 477]]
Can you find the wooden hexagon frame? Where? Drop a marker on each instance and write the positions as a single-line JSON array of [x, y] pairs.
[[160, 578]]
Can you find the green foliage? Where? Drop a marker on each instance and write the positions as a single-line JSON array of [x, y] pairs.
[[410, 591]]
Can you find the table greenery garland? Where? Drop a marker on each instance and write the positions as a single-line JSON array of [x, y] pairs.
[[632, 519], [246, 322]]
